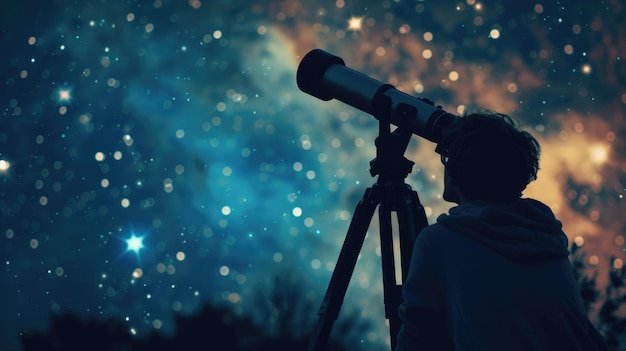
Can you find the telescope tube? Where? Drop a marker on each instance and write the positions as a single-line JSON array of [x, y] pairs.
[[325, 76]]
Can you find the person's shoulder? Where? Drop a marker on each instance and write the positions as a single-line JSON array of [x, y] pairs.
[[436, 233]]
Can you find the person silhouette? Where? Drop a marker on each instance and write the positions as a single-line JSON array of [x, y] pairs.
[[494, 273]]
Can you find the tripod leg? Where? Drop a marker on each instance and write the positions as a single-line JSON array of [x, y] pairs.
[[391, 289], [411, 220], [333, 299]]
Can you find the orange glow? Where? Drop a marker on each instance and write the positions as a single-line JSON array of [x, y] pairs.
[[599, 153]]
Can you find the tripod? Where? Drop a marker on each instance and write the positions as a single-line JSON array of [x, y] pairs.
[[390, 193]]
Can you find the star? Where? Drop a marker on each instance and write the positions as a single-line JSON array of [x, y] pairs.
[[4, 166], [64, 95], [134, 243], [355, 24]]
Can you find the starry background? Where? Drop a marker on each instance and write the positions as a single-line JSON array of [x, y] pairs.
[[157, 155]]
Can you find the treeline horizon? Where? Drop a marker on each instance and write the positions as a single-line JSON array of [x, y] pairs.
[[219, 328]]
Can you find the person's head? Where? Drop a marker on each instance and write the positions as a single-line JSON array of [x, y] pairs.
[[487, 157]]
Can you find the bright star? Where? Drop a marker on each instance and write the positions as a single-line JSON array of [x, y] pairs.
[[64, 95], [134, 243], [4, 166], [355, 24]]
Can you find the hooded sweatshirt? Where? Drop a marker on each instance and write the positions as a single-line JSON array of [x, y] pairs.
[[494, 277]]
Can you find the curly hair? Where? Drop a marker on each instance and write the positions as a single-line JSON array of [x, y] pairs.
[[489, 157]]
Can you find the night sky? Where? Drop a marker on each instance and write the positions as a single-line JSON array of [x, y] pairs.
[[157, 155]]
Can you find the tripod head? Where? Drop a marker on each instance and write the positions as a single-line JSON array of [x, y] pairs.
[[390, 163]]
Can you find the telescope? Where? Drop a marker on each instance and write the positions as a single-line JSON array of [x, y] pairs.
[[326, 76]]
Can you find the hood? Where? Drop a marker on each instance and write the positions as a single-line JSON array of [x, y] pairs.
[[523, 230]]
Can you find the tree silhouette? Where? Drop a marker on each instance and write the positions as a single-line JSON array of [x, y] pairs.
[[611, 323], [611, 316], [211, 328], [287, 326], [288, 322]]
